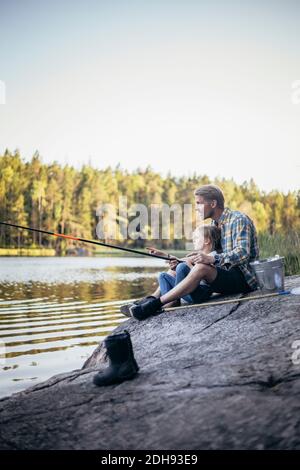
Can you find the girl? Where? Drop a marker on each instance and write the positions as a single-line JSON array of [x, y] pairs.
[[206, 238]]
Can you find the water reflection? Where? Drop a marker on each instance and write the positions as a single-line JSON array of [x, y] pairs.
[[54, 311]]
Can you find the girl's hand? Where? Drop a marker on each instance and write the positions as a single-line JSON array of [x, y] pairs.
[[154, 251], [173, 263]]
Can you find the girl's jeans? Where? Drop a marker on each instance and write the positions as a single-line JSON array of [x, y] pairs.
[[167, 282]]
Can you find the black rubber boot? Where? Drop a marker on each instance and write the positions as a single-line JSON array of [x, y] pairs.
[[122, 364], [125, 309]]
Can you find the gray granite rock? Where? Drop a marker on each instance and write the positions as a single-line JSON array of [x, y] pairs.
[[219, 377]]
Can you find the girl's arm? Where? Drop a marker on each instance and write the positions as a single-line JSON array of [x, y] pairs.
[[154, 251]]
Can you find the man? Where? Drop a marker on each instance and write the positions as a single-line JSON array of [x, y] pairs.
[[228, 272]]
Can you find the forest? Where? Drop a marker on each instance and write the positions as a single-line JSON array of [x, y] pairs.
[[64, 199]]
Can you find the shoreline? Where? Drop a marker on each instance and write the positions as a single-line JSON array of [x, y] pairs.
[[50, 253]]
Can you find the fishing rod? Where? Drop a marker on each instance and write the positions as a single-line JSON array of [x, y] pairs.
[[71, 237], [294, 291]]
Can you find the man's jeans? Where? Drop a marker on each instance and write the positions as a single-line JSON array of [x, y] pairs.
[[167, 282]]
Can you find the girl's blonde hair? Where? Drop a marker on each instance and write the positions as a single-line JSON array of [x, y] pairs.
[[211, 232]]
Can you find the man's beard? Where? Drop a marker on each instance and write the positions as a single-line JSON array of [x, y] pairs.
[[210, 214]]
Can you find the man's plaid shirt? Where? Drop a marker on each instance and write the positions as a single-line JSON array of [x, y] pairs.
[[239, 243]]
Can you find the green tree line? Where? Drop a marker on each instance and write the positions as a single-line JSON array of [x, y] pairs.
[[63, 199]]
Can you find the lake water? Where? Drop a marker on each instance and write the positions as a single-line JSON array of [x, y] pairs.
[[54, 311]]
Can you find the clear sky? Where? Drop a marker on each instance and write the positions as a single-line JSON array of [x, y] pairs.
[[183, 86]]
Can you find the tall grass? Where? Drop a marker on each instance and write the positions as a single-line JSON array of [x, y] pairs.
[[283, 245], [27, 252]]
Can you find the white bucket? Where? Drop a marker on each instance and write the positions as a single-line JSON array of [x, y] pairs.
[[269, 273]]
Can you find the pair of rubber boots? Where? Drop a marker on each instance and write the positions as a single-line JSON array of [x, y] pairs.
[[122, 364]]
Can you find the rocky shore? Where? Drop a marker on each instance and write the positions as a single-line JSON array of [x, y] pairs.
[[219, 377]]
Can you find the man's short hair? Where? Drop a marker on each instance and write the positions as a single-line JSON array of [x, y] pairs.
[[210, 192]]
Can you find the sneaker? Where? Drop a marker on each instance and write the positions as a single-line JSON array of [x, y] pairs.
[[125, 309], [151, 306]]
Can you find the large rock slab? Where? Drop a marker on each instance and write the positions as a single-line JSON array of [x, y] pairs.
[[219, 377]]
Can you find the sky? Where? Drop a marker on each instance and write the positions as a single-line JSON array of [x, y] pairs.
[[183, 86]]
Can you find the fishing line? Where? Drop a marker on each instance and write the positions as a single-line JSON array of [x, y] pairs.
[[71, 237]]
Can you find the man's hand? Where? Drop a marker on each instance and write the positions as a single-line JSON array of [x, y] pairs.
[[193, 253], [202, 258]]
